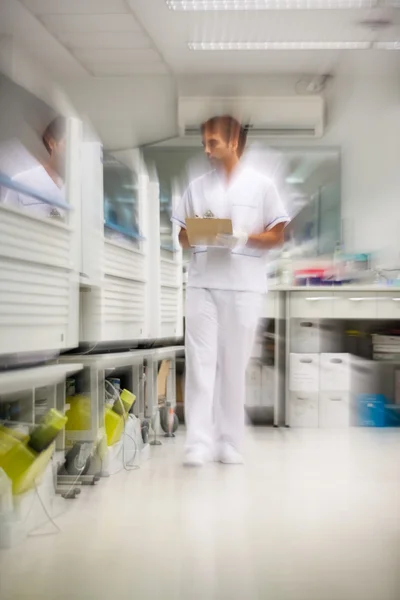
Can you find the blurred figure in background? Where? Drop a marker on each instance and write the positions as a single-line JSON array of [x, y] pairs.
[[47, 179], [224, 290]]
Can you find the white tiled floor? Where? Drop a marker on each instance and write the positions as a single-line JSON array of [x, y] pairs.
[[313, 515]]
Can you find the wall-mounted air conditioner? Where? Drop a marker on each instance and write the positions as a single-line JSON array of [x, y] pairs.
[[288, 117]]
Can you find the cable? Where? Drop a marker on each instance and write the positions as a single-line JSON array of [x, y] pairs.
[[126, 466]]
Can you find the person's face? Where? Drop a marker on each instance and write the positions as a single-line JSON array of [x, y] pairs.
[[57, 152], [217, 149]]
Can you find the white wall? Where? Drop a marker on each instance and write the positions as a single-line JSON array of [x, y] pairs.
[[128, 112], [363, 110]]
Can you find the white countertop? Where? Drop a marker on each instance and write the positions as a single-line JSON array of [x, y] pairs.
[[336, 288], [18, 380]]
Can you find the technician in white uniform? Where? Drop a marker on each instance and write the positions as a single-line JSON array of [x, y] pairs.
[[224, 291], [47, 179]]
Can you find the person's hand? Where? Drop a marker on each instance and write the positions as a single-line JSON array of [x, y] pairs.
[[238, 239]]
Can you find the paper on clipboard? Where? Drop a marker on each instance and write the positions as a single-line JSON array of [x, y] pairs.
[[203, 232]]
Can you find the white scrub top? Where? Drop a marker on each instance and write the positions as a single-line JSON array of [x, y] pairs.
[[253, 203], [38, 180]]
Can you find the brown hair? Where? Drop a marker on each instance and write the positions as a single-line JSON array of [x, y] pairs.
[[230, 128], [54, 130]]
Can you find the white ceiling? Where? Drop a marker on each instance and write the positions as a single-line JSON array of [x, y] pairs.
[[125, 37]]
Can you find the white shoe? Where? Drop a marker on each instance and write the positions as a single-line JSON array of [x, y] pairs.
[[230, 456], [194, 458]]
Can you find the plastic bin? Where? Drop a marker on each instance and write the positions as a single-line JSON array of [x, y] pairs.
[[114, 425], [127, 399], [371, 410]]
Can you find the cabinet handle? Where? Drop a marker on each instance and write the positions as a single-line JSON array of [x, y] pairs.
[[396, 299], [363, 299]]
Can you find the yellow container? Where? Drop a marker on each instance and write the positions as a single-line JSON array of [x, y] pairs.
[[114, 425], [44, 434], [78, 415], [21, 464], [8, 443], [127, 400], [32, 475]]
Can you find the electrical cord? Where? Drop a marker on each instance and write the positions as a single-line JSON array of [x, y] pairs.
[[126, 466]]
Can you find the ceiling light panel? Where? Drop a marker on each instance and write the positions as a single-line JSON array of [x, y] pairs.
[[82, 7], [226, 46], [387, 45], [226, 5]]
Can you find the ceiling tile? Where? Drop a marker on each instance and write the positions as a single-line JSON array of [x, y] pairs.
[[104, 39], [118, 70], [82, 23], [116, 56], [59, 7]]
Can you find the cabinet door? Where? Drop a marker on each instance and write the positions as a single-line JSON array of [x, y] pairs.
[[312, 305], [355, 305], [389, 305]]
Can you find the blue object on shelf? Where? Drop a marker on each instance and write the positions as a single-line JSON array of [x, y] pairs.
[[392, 415], [124, 231], [371, 410], [10, 184]]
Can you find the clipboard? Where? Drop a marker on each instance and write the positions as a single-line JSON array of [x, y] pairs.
[[203, 232]]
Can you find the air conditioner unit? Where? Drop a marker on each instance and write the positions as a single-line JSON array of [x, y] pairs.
[[288, 117]]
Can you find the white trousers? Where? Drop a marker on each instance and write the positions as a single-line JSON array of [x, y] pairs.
[[220, 331]]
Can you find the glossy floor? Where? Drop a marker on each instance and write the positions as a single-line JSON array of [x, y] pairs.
[[313, 515]]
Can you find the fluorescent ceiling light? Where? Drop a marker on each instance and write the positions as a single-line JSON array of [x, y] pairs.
[[387, 45], [279, 45], [209, 5]]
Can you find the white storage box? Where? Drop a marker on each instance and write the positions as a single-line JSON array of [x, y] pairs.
[[314, 336], [304, 373], [348, 373], [303, 409], [335, 372], [335, 409]]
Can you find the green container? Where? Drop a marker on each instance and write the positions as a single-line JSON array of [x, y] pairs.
[[45, 433]]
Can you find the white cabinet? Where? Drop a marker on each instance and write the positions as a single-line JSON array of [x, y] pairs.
[[388, 305], [355, 305], [311, 305]]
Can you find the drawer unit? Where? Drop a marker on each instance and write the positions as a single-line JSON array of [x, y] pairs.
[[335, 409], [312, 305], [304, 373], [303, 409], [388, 305], [355, 305]]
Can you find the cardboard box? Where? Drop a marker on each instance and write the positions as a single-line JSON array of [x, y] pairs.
[[162, 380], [335, 409], [313, 336], [304, 373], [303, 409], [203, 232]]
